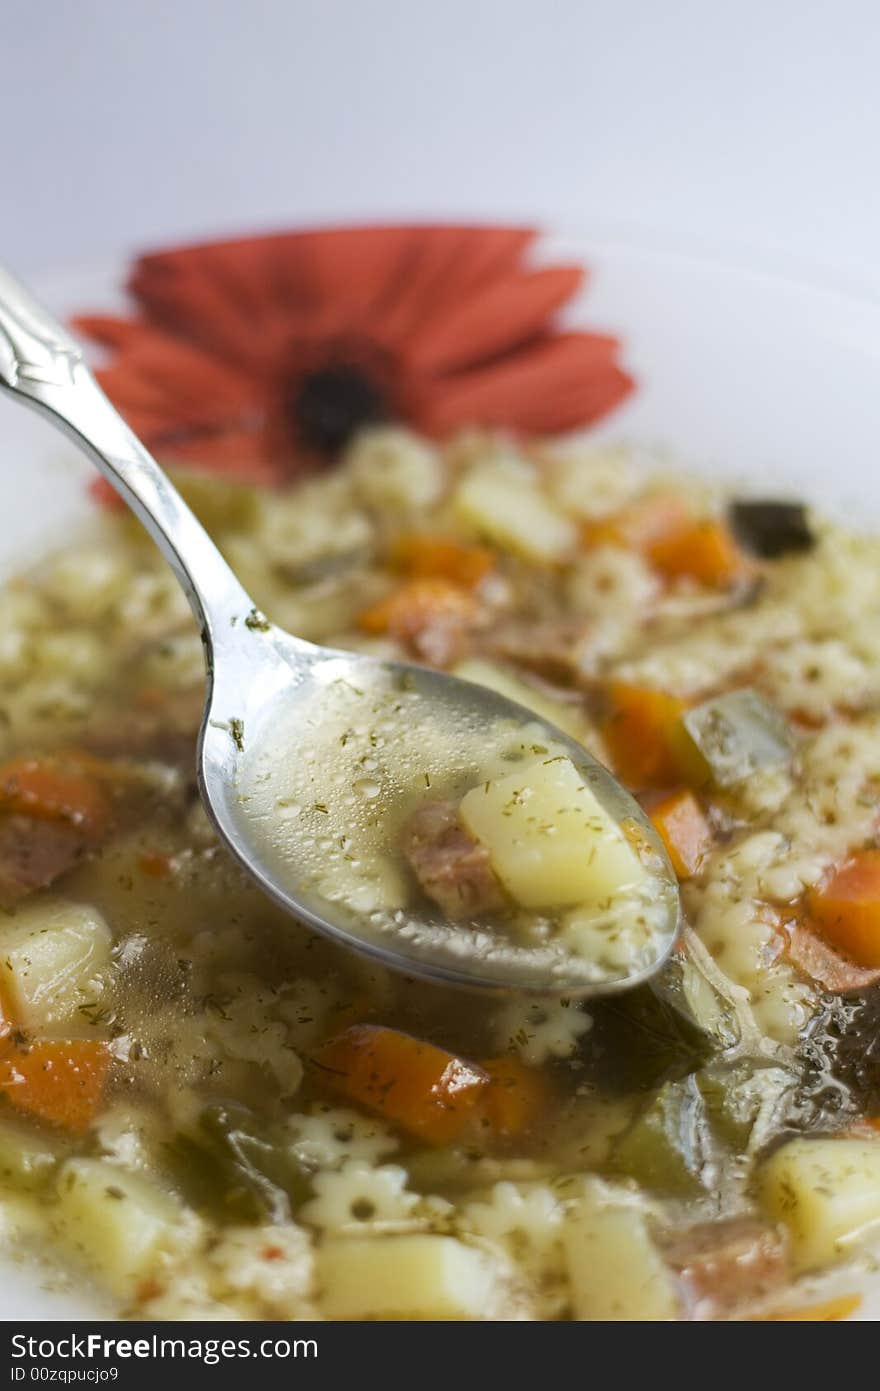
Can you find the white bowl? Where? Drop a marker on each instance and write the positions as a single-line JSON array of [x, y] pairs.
[[741, 372]]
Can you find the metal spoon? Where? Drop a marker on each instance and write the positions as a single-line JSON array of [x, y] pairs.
[[261, 680]]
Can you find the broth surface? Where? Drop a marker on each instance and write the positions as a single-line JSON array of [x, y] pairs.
[[211, 1113]]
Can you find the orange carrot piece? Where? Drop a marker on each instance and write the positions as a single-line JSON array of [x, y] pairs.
[[703, 551], [60, 1082], [847, 908], [684, 830], [815, 957], [516, 1098], [639, 527], [419, 604], [54, 789], [423, 556], [640, 732], [428, 1092]]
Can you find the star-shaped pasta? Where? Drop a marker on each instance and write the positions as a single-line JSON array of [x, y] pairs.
[[540, 1029], [328, 1136], [518, 1215], [358, 1195]]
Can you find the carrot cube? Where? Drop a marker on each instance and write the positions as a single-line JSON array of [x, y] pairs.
[[426, 1091], [423, 556], [702, 551], [847, 908], [516, 1098], [420, 604], [641, 732], [684, 830], [59, 1082]]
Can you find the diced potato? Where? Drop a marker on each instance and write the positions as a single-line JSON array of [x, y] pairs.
[[503, 501], [52, 953], [566, 717], [614, 1269], [404, 1277], [115, 1221], [826, 1191], [551, 842], [27, 1156]]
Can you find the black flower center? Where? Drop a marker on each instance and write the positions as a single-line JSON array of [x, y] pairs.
[[332, 403]]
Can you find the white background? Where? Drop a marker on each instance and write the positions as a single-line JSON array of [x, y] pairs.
[[735, 126]]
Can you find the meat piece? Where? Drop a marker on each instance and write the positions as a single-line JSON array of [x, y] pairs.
[[452, 868], [724, 1265], [819, 961], [35, 852]]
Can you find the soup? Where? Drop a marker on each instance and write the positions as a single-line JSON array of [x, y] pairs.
[[211, 1112]]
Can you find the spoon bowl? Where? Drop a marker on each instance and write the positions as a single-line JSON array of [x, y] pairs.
[[279, 712]]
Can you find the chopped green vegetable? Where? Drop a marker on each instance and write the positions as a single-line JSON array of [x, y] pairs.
[[670, 1147], [730, 737], [231, 1170], [641, 1039], [748, 1101], [689, 1134], [770, 529]]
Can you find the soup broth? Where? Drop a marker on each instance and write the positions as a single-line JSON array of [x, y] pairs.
[[210, 1112]]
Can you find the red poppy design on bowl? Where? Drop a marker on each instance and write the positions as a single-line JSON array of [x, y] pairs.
[[260, 358]]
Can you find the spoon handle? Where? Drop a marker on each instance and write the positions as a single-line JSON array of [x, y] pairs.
[[42, 365]]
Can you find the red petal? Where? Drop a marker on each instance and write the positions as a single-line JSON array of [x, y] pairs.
[[107, 329], [556, 385], [504, 314], [246, 299]]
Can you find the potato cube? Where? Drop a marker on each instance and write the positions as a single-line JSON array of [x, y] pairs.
[[615, 1271], [503, 501], [418, 1276], [826, 1191], [115, 1221], [52, 953], [551, 842]]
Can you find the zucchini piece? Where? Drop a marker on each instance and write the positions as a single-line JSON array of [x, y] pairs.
[[727, 739], [747, 1101], [231, 1170], [771, 528], [669, 1148]]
